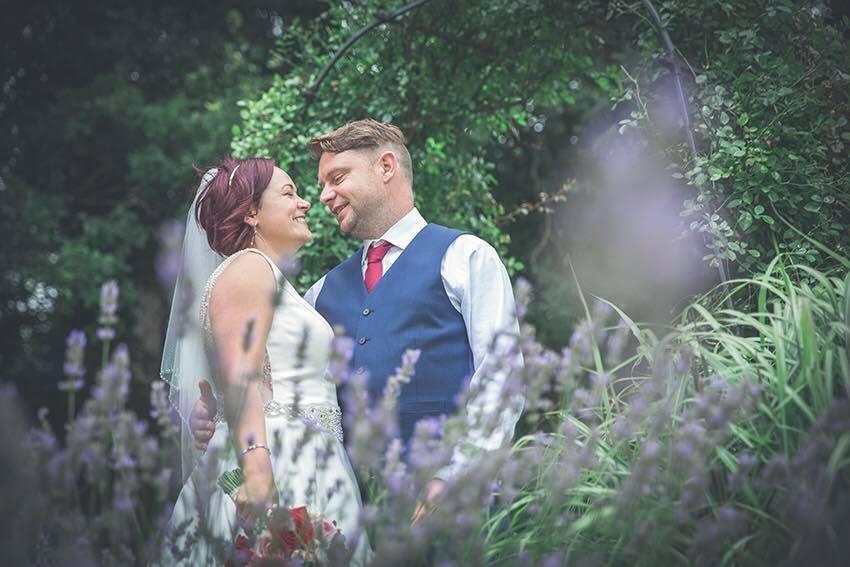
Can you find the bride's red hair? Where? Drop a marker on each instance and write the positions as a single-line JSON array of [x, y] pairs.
[[225, 202]]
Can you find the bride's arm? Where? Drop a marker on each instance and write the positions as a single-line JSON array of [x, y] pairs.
[[241, 312]]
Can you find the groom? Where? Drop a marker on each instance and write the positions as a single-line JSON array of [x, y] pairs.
[[412, 285]]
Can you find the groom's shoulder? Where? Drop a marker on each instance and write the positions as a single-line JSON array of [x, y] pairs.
[[448, 235], [461, 238], [446, 229], [355, 258], [465, 246]]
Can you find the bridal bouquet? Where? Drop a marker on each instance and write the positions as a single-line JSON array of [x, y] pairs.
[[291, 537], [287, 536]]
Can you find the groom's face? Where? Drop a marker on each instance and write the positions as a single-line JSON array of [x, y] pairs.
[[351, 190]]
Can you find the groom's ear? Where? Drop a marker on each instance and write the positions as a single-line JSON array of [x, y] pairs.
[[388, 165]]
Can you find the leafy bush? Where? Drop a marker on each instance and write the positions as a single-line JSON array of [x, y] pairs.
[[768, 89], [456, 93]]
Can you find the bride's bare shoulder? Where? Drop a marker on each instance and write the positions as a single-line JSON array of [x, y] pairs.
[[248, 277]]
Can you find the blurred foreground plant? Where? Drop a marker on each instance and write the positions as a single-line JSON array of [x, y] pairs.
[[704, 446], [98, 498]]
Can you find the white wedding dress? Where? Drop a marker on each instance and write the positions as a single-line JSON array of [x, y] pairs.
[[303, 428]]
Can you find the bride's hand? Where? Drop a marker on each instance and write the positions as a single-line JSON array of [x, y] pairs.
[[258, 492]]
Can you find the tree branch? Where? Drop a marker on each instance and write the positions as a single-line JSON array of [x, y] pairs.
[[379, 18]]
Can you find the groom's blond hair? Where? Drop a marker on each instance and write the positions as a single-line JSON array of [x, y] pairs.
[[368, 135]]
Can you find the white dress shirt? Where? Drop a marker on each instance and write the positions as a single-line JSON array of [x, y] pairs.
[[478, 286]]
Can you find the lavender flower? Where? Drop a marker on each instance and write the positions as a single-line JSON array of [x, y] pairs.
[[427, 452], [522, 293], [109, 292], [713, 537], [113, 383], [369, 429], [342, 349], [395, 471], [410, 358], [108, 308], [248, 334], [73, 367], [617, 342], [600, 312], [402, 376], [170, 257], [553, 559], [74, 353], [290, 266], [161, 408], [71, 385], [105, 334], [581, 342]]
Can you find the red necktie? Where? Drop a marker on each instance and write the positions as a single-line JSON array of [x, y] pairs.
[[374, 268]]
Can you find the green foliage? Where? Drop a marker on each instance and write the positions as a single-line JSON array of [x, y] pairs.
[[457, 93], [107, 125], [768, 91]]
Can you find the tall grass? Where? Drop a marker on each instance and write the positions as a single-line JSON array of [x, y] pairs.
[[726, 441]]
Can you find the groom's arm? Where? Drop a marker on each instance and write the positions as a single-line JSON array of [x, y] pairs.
[[479, 286]]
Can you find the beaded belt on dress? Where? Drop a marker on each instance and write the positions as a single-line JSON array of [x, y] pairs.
[[325, 417]]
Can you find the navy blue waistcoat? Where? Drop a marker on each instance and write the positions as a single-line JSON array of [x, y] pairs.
[[407, 309]]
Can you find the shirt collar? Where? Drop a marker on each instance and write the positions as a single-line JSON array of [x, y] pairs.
[[402, 233]]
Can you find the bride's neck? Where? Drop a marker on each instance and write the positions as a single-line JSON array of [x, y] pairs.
[[276, 253]]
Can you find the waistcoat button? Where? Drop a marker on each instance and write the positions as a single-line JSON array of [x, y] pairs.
[[362, 340], [366, 312]]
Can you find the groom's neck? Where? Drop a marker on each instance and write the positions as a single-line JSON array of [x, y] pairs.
[[387, 222]]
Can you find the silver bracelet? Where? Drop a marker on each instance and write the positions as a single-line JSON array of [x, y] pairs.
[[253, 446]]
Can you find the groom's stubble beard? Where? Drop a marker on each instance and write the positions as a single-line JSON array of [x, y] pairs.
[[365, 224], [372, 225], [360, 227], [357, 228], [352, 218]]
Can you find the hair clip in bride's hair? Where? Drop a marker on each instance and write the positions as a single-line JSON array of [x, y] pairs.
[[232, 173]]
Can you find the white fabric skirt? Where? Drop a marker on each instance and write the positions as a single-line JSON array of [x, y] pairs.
[[311, 469]]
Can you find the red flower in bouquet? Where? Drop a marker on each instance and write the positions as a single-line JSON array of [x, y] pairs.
[[243, 552], [329, 529], [301, 536]]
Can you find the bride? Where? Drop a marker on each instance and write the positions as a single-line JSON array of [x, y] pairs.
[[267, 350]]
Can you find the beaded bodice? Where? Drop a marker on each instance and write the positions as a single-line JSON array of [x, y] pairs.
[[295, 383]]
